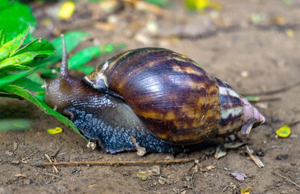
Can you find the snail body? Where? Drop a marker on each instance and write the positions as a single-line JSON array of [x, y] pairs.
[[163, 99]]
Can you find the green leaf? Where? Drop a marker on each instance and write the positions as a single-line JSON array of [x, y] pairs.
[[86, 69], [72, 39], [2, 74], [14, 124], [35, 77], [23, 58], [83, 57], [15, 17], [4, 4], [47, 72], [2, 38], [29, 84], [11, 78], [87, 54], [253, 98], [10, 47], [10, 69], [38, 44], [39, 101]]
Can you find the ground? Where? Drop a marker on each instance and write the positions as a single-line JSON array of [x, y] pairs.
[[253, 57]]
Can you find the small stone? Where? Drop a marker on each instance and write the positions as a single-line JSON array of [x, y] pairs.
[[27, 182], [156, 170], [188, 178], [282, 157], [91, 145], [162, 182], [244, 73]]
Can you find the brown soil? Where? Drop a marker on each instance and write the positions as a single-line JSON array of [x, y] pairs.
[[252, 58]]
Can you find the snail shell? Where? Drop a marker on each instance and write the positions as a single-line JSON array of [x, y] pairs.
[[172, 95], [163, 99]]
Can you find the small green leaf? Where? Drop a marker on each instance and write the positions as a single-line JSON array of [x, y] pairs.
[[253, 98], [23, 58], [38, 44], [10, 47], [109, 48], [14, 124]]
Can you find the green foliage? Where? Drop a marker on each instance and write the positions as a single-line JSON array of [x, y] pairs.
[[20, 69], [15, 17], [22, 64]]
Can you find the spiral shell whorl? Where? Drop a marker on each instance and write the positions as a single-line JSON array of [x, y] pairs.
[[232, 111]]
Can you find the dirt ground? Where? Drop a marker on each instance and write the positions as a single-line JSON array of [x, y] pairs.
[[253, 58]]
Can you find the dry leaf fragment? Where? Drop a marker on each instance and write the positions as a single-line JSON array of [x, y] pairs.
[[15, 146], [219, 153], [210, 167], [163, 180], [238, 176], [9, 153], [233, 145], [207, 168], [140, 150]]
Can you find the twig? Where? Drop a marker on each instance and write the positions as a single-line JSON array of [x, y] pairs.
[[287, 179], [51, 163], [255, 159], [54, 156], [114, 163], [294, 123], [26, 158]]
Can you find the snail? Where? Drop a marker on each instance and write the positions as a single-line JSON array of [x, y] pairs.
[[162, 99]]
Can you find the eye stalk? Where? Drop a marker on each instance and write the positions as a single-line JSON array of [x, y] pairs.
[[61, 90]]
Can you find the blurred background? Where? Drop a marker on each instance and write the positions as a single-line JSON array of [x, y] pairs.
[[252, 45]]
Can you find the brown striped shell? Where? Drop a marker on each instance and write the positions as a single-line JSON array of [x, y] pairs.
[[171, 94]]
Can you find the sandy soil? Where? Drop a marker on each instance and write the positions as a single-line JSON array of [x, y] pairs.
[[251, 58]]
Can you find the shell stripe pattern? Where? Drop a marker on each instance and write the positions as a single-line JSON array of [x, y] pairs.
[[149, 80], [231, 109]]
